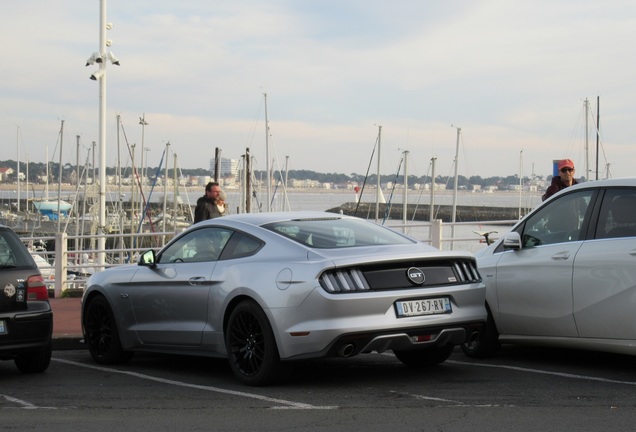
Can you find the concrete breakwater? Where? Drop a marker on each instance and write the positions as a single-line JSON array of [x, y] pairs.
[[422, 212]]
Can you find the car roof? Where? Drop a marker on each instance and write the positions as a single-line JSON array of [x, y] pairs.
[[592, 184], [623, 181], [258, 219]]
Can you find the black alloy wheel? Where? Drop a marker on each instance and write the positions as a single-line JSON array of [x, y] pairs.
[[102, 336], [251, 347]]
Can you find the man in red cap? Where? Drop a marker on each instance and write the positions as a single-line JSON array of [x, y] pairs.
[[563, 180]]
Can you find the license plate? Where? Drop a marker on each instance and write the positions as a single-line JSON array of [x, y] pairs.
[[3, 327], [430, 306]]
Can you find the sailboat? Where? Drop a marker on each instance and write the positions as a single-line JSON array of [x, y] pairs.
[[53, 209]]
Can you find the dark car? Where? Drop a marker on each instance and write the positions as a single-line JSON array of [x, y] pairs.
[[26, 319]]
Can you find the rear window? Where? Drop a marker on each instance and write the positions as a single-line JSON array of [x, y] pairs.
[[12, 252], [337, 233]]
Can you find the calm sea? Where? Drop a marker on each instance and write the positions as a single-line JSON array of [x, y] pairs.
[[324, 200]]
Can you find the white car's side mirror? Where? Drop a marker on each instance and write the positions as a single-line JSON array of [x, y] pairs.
[[512, 240]]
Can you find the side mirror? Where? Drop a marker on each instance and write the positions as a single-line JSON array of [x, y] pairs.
[[148, 259], [512, 240]]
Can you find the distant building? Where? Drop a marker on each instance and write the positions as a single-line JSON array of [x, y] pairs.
[[5, 173], [227, 167]]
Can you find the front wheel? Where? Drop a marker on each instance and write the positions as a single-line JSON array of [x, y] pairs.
[[101, 333], [251, 347], [425, 356]]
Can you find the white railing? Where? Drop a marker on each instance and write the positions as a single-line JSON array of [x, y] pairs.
[[72, 270], [75, 265]]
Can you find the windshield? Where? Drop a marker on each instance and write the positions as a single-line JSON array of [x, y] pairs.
[[337, 232]]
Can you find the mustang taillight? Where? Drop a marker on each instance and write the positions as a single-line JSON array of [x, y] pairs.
[[36, 288], [342, 281]]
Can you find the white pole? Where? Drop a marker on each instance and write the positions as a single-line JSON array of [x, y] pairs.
[[101, 241]]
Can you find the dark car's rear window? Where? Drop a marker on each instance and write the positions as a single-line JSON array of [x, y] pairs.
[[337, 232], [12, 252]]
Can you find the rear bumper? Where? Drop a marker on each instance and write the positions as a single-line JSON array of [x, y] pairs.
[[352, 344], [28, 330]]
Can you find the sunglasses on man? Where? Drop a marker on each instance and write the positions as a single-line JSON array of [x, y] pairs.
[[564, 170]]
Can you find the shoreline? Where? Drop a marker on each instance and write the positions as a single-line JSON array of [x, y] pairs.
[[159, 189]]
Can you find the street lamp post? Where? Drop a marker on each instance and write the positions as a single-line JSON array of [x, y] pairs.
[[101, 57]]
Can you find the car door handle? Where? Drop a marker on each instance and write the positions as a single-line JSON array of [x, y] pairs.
[[197, 280], [561, 255]]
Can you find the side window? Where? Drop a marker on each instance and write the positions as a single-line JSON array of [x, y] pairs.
[[617, 217], [205, 244], [241, 245], [559, 221]]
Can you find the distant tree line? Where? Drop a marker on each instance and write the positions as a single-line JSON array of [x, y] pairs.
[[37, 172]]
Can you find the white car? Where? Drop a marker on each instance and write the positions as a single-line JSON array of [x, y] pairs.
[[565, 275]]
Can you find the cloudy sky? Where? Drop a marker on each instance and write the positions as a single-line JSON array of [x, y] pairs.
[[512, 75]]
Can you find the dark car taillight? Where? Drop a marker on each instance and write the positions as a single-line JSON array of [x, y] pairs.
[[36, 288]]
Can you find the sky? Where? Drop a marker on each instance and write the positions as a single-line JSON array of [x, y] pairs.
[[501, 84]]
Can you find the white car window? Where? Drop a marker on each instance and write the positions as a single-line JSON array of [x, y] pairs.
[[559, 221], [617, 217]]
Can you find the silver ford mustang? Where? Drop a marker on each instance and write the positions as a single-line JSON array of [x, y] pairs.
[[268, 290]]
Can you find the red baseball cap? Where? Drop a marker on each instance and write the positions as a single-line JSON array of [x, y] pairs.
[[565, 163]]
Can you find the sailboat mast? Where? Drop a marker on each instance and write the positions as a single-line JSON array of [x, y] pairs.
[[17, 144], [598, 128], [406, 188], [378, 189], [587, 139], [454, 214], [432, 206], [267, 168], [59, 180]]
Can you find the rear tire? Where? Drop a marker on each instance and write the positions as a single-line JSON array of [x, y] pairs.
[[424, 357], [101, 333], [34, 361], [251, 346]]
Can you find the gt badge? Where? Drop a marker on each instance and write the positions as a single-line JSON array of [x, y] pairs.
[[415, 275], [9, 290]]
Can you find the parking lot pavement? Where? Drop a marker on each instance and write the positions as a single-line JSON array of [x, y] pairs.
[[67, 328]]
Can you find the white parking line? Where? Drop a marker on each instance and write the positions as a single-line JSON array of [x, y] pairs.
[[22, 404], [281, 403], [543, 372]]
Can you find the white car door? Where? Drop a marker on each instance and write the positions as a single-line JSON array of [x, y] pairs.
[[534, 284], [605, 271]]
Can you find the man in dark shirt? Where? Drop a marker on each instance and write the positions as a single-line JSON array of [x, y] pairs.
[[207, 204], [563, 180]]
